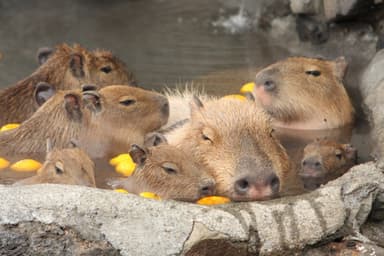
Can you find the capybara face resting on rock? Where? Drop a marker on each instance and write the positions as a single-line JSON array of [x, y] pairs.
[[64, 68], [232, 140], [305, 93], [325, 160], [103, 122], [167, 172], [70, 166]]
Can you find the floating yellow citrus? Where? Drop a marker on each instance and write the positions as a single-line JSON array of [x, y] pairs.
[[125, 167], [248, 87], [235, 96], [120, 190], [3, 163], [149, 195], [8, 127], [26, 165], [211, 200], [117, 159]]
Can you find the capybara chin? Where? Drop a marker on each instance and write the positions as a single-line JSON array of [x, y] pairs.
[[70, 166], [305, 93], [167, 172], [232, 140], [104, 122], [325, 160], [64, 68]]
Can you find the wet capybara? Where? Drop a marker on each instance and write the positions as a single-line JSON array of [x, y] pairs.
[[232, 140], [305, 93], [167, 172], [64, 166], [325, 160], [63, 68], [103, 122]]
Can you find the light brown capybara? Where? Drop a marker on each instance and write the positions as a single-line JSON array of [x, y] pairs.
[[70, 166], [104, 122], [305, 93], [64, 68], [232, 140], [167, 172], [325, 160]]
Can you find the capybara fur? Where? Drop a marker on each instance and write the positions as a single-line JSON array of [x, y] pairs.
[[233, 141], [325, 160], [305, 93], [167, 172], [70, 166], [63, 68], [103, 122]]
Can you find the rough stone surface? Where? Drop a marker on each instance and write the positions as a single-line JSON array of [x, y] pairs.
[[137, 226]]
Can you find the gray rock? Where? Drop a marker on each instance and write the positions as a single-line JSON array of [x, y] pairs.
[[137, 226]]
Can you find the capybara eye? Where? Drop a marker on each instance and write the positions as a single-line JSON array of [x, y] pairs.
[[106, 69], [338, 154], [269, 85], [127, 102], [59, 168], [313, 72], [205, 137], [170, 168]]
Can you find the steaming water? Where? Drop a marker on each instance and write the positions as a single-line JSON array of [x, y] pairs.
[[216, 44]]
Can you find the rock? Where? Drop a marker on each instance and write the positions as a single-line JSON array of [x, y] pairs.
[[113, 222], [309, 7]]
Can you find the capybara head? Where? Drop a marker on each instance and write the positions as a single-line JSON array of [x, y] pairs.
[[324, 160], [167, 172], [64, 166], [74, 66], [305, 93], [103, 122], [233, 141]]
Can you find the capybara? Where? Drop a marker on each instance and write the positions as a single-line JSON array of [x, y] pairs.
[[325, 160], [103, 122], [305, 93], [232, 140], [64, 68], [64, 166], [167, 172]]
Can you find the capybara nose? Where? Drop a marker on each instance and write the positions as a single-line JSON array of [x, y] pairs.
[[258, 187], [207, 188], [312, 163]]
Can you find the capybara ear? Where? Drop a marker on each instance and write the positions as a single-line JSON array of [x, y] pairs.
[[249, 96], [196, 107], [88, 87], [350, 151], [43, 54], [72, 106], [91, 100], [49, 145], [340, 67], [76, 65], [43, 91], [154, 139], [138, 154]]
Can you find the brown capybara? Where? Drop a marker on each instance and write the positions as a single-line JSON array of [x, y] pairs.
[[64, 166], [167, 172], [64, 68], [325, 160], [232, 140], [305, 93], [103, 122]]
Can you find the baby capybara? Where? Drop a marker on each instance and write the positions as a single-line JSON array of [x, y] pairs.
[[305, 93], [70, 166], [325, 160], [232, 140], [104, 122], [167, 172], [63, 68]]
